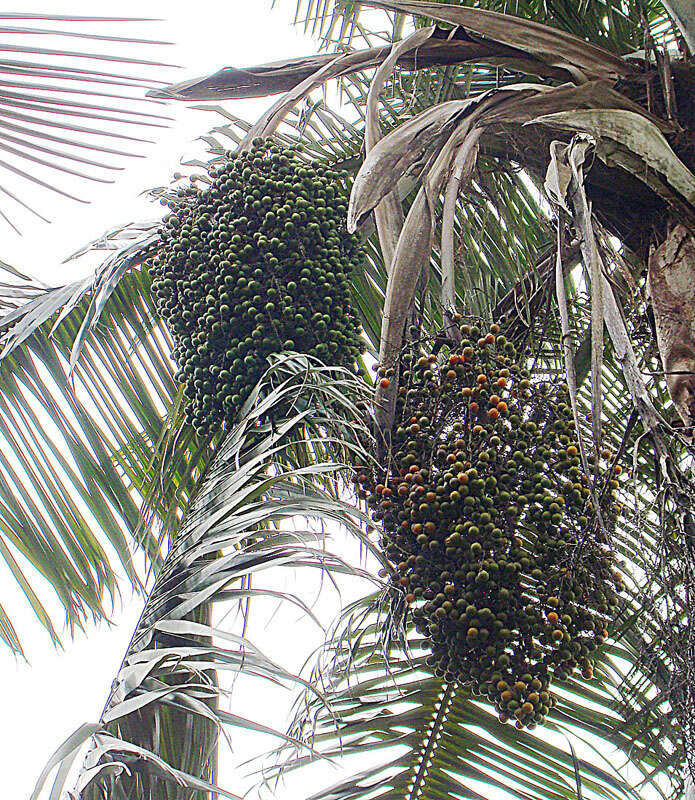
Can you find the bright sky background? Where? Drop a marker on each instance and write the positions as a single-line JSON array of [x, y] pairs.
[[206, 37]]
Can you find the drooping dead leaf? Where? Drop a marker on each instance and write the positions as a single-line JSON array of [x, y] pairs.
[[388, 214], [557, 182], [463, 161], [576, 155], [405, 149], [612, 316], [556, 47], [444, 48], [558, 175], [413, 144], [672, 289], [634, 131], [411, 257]]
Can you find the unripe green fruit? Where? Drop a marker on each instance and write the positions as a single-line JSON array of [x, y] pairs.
[[226, 276], [476, 460]]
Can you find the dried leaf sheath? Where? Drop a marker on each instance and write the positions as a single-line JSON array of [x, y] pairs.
[[444, 48], [388, 215], [462, 166], [412, 256], [555, 47], [672, 290]]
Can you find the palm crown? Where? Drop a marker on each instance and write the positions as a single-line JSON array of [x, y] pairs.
[[447, 145]]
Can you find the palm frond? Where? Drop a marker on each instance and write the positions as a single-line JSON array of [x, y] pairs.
[[85, 373], [69, 117], [609, 23], [66, 508], [160, 722], [425, 738]]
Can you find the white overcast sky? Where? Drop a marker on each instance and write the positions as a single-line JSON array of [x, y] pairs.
[[207, 36]]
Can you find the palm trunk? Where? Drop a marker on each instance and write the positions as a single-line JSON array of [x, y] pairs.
[[672, 288], [184, 740]]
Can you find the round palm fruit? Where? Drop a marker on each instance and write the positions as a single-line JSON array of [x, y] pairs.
[[257, 263], [489, 523]]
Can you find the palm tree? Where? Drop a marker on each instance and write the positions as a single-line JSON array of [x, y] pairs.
[[470, 113]]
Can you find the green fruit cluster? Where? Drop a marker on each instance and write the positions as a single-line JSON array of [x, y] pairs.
[[488, 521], [257, 263]]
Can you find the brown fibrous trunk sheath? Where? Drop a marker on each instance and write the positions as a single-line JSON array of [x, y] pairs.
[[672, 289]]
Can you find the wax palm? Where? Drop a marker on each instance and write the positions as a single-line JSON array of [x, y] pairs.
[[372, 692]]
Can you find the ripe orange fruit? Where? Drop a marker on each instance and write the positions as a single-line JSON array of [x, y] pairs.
[[384, 383]]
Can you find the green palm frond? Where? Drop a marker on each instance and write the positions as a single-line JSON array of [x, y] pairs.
[[86, 396], [163, 708], [429, 739], [67, 511], [612, 24]]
